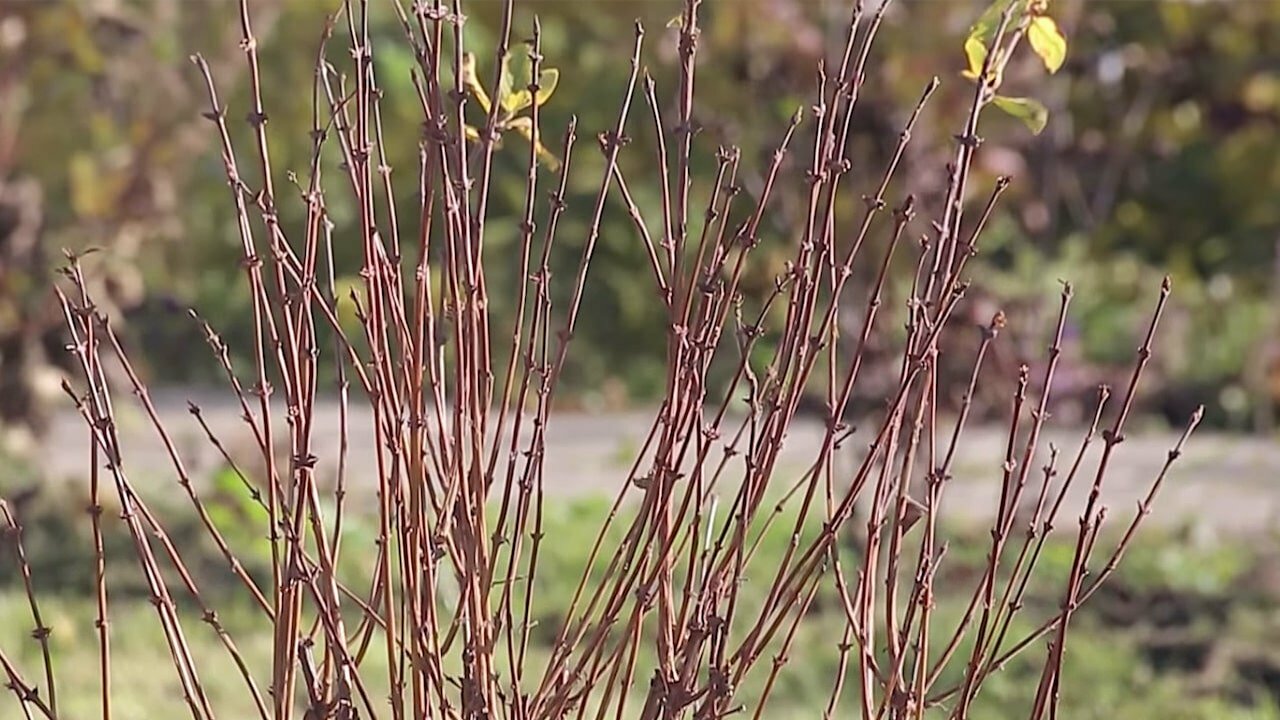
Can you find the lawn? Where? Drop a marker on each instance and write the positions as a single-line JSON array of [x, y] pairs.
[[1185, 629]]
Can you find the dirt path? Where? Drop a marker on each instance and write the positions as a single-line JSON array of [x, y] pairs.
[[1225, 483]]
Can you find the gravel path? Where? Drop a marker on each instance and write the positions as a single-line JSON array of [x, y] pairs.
[[1226, 483]]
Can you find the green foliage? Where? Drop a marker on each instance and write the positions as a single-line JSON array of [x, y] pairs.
[[236, 508], [512, 100], [986, 65], [1169, 160]]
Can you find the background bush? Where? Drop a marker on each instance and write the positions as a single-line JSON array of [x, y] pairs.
[[1162, 153]]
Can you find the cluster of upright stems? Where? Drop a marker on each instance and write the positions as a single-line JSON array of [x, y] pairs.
[[655, 628]]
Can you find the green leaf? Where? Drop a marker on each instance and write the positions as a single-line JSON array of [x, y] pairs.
[[984, 29], [524, 126], [976, 51], [1048, 42], [1033, 114], [521, 70]]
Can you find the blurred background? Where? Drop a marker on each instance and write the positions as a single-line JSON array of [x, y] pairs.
[[1161, 156]]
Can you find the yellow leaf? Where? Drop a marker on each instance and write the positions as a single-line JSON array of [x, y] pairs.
[[521, 99], [976, 51], [1048, 42], [516, 101], [471, 82], [547, 81], [524, 126]]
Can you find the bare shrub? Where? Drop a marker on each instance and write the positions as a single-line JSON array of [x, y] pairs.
[[658, 626]]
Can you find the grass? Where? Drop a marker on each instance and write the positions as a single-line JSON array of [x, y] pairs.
[[1113, 669]]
